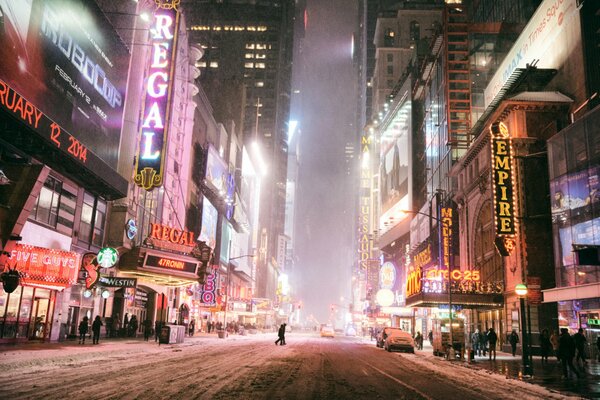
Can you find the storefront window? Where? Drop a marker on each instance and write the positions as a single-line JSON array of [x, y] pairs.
[[3, 301]]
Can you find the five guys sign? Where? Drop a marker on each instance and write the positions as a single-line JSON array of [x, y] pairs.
[[150, 158]]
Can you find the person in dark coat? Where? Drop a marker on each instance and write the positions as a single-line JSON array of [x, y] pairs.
[[513, 339], [580, 342], [430, 337], [492, 338], [475, 342], [147, 329], [192, 327], [83, 330], [157, 328], [126, 324], [280, 335], [598, 346], [566, 352], [545, 345], [133, 326], [96, 329]]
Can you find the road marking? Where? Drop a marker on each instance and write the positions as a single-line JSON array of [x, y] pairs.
[[400, 382], [365, 372]]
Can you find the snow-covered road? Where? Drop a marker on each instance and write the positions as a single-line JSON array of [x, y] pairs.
[[251, 367]]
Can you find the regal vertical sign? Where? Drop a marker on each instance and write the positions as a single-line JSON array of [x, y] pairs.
[[503, 182], [156, 110]]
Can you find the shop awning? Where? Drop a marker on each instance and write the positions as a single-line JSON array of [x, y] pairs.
[[160, 267], [469, 301], [588, 291]]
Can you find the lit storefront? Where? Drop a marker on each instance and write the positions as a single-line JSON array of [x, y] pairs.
[[166, 266], [574, 159], [27, 313]]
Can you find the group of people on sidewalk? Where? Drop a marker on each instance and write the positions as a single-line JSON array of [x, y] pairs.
[[484, 343], [565, 347], [84, 327]]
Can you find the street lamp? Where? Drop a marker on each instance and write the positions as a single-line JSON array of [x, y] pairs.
[[227, 290], [521, 291]]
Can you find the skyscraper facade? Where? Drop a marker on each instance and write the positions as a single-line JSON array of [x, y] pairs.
[[246, 71]]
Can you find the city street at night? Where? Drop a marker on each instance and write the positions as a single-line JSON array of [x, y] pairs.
[[245, 367], [406, 191]]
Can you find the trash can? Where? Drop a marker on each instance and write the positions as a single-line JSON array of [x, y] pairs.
[[164, 335]]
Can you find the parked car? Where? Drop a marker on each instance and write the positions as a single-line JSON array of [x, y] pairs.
[[383, 334], [327, 331], [399, 340]]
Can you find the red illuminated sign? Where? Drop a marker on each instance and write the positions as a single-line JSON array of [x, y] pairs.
[[55, 136], [46, 267], [170, 263], [173, 235]]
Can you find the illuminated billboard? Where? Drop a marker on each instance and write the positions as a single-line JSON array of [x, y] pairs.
[[63, 62], [156, 112], [208, 232], [395, 167]]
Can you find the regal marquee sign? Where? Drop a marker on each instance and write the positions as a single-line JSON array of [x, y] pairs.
[[503, 185], [150, 159]]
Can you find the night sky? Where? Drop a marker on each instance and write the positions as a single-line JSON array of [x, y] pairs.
[[324, 221]]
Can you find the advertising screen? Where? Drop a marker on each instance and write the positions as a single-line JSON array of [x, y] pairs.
[[208, 232], [575, 193], [396, 160], [64, 59]]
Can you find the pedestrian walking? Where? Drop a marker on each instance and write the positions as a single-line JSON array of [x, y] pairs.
[[280, 335], [126, 325], [492, 338], [192, 327], [96, 325], [513, 339], [545, 345], [430, 337], [483, 342], [157, 329], [116, 326], [133, 326], [147, 329], [580, 342], [83, 330], [554, 341], [566, 352], [419, 341], [475, 342]]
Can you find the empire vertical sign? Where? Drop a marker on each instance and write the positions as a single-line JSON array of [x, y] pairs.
[[503, 186], [150, 159]]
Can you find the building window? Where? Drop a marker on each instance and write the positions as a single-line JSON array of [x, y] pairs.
[[214, 64], [389, 38], [415, 31], [249, 65], [260, 65], [486, 258], [259, 84], [390, 57], [390, 70], [93, 218], [45, 209]]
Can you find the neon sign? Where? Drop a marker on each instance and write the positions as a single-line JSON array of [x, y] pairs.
[[456, 275], [413, 282], [150, 158], [364, 216], [172, 235], [503, 181], [446, 236], [46, 267]]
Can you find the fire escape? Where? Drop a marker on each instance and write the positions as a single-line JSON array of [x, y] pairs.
[[458, 82]]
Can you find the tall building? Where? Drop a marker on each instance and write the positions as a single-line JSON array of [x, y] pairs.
[[249, 44]]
